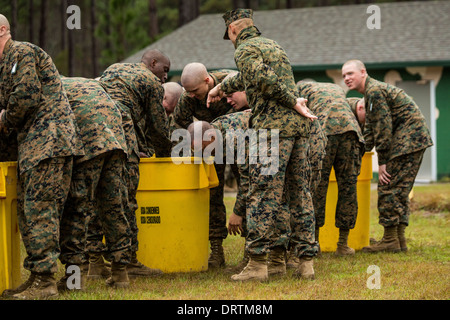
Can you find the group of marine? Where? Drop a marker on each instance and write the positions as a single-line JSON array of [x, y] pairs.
[[78, 143]]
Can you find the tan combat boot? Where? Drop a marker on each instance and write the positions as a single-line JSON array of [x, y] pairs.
[[42, 287], [256, 269], [62, 284], [342, 247], [137, 269], [401, 237], [98, 268], [292, 261], [389, 243], [119, 276], [217, 256], [305, 268], [277, 262], [8, 293]]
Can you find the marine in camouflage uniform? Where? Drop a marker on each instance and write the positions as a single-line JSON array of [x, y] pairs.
[[99, 181], [398, 131], [38, 110], [265, 74], [138, 91], [188, 109], [344, 152]]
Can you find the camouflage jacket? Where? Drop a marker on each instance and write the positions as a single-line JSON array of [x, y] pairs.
[[36, 105], [329, 103], [265, 74], [317, 146], [139, 90], [394, 124], [99, 120], [189, 108], [229, 123]]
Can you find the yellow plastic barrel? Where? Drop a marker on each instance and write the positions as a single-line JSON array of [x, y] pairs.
[[359, 236], [9, 231], [173, 213]]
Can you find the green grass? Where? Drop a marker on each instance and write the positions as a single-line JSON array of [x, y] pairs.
[[421, 273]]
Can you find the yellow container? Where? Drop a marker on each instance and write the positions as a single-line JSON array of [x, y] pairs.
[[359, 236], [173, 213], [9, 231]]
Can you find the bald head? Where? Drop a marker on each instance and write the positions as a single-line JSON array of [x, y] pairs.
[[357, 63], [4, 21], [202, 134], [157, 62], [172, 93], [193, 74], [196, 80], [5, 33]]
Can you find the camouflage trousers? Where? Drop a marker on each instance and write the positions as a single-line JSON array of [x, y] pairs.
[[98, 192], [344, 153], [217, 211], [280, 212], [95, 228], [393, 198], [41, 194]]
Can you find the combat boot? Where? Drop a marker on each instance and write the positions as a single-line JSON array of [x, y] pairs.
[[401, 237], [98, 268], [217, 256], [256, 269], [62, 284], [8, 293], [42, 287], [305, 268], [277, 262], [389, 243], [119, 276], [342, 247], [137, 269], [292, 262], [241, 265]]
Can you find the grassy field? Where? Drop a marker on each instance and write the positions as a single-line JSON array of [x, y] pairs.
[[421, 273]]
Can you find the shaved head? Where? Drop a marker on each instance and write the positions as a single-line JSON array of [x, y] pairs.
[[4, 21], [157, 62], [193, 74], [172, 93], [357, 63]]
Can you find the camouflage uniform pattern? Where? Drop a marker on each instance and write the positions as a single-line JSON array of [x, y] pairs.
[[393, 198], [38, 110], [317, 151], [398, 131], [264, 67], [188, 109], [344, 150], [277, 199], [98, 188], [394, 124], [139, 90]]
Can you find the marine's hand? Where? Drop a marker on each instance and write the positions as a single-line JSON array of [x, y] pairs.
[[235, 224], [383, 176], [214, 95], [303, 110]]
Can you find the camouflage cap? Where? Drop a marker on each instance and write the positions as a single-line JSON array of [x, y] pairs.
[[234, 15]]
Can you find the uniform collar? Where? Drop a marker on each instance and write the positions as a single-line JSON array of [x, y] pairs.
[[7, 48], [247, 33]]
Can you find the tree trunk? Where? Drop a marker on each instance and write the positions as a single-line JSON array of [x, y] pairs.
[[43, 25], [153, 16], [94, 55], [188, 11], [30, 21]]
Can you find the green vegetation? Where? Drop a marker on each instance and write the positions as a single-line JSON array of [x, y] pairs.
[[421, 273]]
